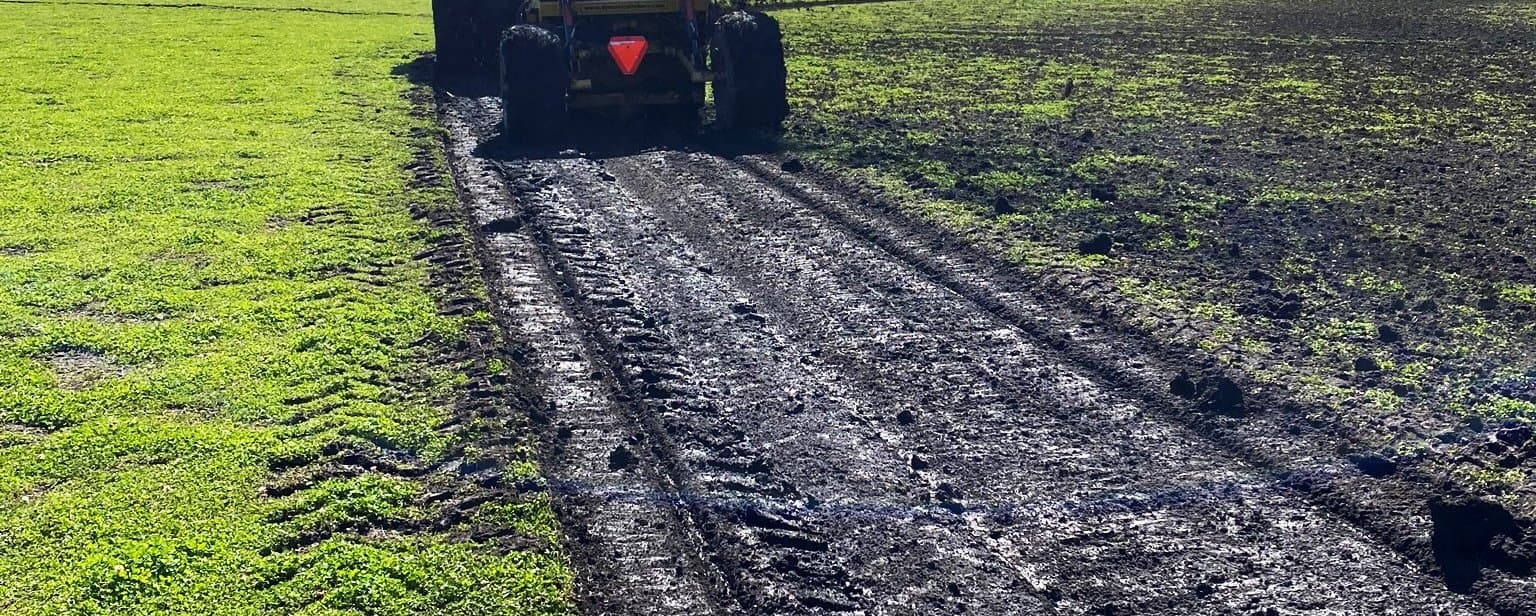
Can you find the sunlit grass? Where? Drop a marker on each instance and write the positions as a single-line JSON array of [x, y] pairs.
[[205, 237]]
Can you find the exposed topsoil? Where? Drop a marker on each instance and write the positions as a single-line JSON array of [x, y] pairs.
[[1260, 343], [1332, 198], [769, 394]]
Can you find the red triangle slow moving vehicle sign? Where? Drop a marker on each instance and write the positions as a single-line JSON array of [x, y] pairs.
[[627, 52]]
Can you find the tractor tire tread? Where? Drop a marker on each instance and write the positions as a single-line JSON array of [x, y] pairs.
[[534, 79], [748, 59]]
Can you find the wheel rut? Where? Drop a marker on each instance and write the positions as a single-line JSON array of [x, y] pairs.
[[810, 424], [624, 519]]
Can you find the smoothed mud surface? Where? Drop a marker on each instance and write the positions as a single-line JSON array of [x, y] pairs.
[[765, 398]]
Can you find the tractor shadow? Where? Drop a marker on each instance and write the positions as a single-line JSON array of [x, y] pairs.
[[605, 135], [422, 71]]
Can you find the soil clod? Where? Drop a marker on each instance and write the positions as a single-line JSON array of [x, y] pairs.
[[1521, 388], [502, 225], [1099, 244], [1283, 308], [1221, 395], [1470, 534], [1183, 386], [1514, 434], [947, 497], [621, 458], [1374, 464], [918, 181], [1002, 206]]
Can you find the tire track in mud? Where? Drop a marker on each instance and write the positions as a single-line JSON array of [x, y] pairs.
[[1186, 476], [633, 551], [845, 434], [1299, 446]]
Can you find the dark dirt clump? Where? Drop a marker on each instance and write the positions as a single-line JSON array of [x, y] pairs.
[[1471, 534], [1213, 393], [621, 458], [1374, 464], [1100, 244]]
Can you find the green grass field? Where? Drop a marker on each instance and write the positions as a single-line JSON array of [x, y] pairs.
[[206, 288]]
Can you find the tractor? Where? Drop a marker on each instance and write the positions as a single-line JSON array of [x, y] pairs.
[[552, 57]]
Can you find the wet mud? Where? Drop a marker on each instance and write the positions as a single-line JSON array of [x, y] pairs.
[[764, 395]]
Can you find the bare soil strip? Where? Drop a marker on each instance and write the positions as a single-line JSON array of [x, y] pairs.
[[631, 533], [805, 421]]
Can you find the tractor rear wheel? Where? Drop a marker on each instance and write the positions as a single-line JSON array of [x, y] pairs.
[[534, 80], [747, 57], [450, 20], [467, 33]]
